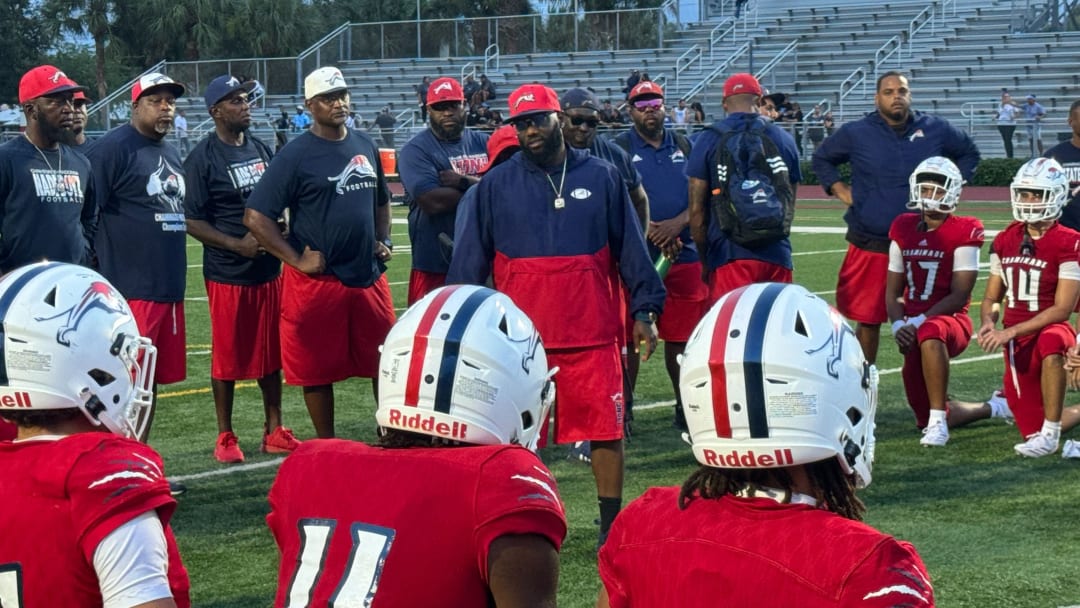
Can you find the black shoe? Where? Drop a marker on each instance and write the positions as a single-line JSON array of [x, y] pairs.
[[176, 488]]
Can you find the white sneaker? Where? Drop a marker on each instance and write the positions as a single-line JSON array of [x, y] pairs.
[[936, 434], [999, 407], [1037, 445], [1071, 449]]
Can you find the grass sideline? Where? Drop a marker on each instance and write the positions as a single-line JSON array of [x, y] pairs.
[[992, 528]]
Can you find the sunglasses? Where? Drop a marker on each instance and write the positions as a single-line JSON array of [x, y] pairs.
[[540, 121], [577, 121], [646, 104], [446, 106]]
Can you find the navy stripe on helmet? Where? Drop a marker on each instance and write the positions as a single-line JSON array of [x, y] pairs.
[[753, 373], [5, 304], [444, 390]]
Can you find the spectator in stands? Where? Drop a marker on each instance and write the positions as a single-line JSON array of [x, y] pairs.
[[479, 117], [609, 116], [767, 107], [281, 126], [680, 116], [300, 120], [470, 88], [437, 166], [883, 149], [335, 252], [181, 127], [830, 124], [1067, 153], [487, 89], [738, 7], [1033, 116], [792, 117], [697, 113], [815, 127], [421, 97], [631, 82], [386, 121], [1006, 121]]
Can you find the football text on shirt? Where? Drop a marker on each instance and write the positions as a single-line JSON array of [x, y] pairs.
[[57, 186], [246, 174]]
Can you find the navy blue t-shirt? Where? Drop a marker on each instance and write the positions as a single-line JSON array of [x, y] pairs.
[[47, 208], [141, 238], [331, 189], [419, 164], [611, 152], [663, 173], [220, 178], [1068, 156]]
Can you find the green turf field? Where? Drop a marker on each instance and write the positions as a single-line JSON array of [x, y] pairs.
[[993, 529]]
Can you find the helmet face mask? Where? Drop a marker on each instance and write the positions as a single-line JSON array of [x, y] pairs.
[[772, 377], [935, 186], [465, 364], [1039, 191], [70, 341]]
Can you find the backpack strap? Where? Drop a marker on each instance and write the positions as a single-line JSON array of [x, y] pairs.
[[623, 141]]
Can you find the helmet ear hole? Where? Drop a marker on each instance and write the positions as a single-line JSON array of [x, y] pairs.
[[527, 420], [854, 415], [800, 326], [503, 326], [102, 377], [50, 298]]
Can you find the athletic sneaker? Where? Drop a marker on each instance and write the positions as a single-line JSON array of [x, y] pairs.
[[1071, 449], [280, 441], [582, 450], [999, 407], [936, 434], [227, 449], [1037, 445]]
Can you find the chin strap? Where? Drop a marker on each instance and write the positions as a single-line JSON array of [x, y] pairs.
[[784, 497]]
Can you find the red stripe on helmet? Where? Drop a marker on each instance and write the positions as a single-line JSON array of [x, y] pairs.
[[420, 342], [717, 371]]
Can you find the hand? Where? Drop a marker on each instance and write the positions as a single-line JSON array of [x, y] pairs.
[[906, 337], [843, 192], [994, 339], [248, 246], [311, 261], [673, 249], [662, 233], [645, 332], [1073, 379], [1072, 357], [450, 179], [382, 252]]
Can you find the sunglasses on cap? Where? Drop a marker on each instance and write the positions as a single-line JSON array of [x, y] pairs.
[[645, 104], [540, 121], [577, 121]]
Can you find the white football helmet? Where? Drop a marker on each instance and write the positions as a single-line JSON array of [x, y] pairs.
[[774, 377], [70, 341], [944, 176], [1047, 179], [465, 364]]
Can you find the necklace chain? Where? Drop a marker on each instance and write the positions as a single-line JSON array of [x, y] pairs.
[[59, 153], [559, 201]]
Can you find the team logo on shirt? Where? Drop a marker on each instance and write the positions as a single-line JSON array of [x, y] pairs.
[[359, 167], [678, 157], [52, 186], [916, 135], [246, 174], [98, 296], [580, 193], [166, 185], [468, 164]]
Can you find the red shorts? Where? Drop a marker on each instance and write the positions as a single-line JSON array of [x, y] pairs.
[[422, 283], [860, 287], [588, 393], [330, 332], [687, 301], [739, 273], [955, 332], [163, 323], [244, 329], [1023, 373]]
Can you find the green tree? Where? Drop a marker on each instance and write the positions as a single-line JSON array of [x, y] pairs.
[[84, 18], [21, 43]]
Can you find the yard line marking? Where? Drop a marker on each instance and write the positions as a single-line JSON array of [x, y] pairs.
[[230, 470], [819, 252]]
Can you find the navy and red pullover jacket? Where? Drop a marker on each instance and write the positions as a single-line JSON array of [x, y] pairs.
[[561, 266], [881, 163]]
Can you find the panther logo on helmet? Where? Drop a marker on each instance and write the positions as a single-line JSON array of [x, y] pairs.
[[1039, 191], [98, 295]]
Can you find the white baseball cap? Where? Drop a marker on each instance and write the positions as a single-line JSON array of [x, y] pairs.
[[324, 80]]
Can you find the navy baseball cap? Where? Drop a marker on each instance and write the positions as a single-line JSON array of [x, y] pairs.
[[580, 98], [223, 86]]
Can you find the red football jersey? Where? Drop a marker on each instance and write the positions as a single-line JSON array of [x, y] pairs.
[[8, 431], [1031, 277], [60, 499], [412, 524], [754, 552], [928, 256]]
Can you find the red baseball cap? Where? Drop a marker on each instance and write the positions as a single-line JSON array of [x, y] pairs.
[[645, 88], [533, 99], [444, 89], [45, 80], [742, 84], [155, 80], [502, 139], [81, 95]]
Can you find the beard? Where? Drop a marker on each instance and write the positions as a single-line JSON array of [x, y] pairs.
[[444, 134], [548, 152]]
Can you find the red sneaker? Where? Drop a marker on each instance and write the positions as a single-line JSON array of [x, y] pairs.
[[227, 449], [280, 441]]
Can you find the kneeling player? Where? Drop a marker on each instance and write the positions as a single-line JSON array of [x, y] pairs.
[[780, 403], [933, 264], [84, 519], [449, 508], [1033, 267]]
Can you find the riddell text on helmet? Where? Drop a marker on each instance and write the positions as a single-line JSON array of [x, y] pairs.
[[19, 399], [749, 459], [427, 424]]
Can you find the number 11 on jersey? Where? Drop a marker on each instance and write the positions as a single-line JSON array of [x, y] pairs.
[[370, 546]]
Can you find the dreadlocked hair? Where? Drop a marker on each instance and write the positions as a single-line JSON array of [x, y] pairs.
[[397, 439], [833, 489], [45, 419]]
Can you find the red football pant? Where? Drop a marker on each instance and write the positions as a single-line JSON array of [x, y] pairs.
[[1023, 372], [955, 332]]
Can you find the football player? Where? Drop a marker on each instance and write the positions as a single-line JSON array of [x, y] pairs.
[[450, 508], [1034, 269], [85, 516], [780, 403], [933, 264]]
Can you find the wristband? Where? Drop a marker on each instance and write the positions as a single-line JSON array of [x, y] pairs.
[[387, 243], [897, 325], [917, 321]]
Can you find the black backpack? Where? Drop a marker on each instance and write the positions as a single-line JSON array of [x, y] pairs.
[[752, 197]]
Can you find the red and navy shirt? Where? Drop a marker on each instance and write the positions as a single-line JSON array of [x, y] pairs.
[[929, 257], [560, 265], [331, 189], [424, 518], [419, 164]]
